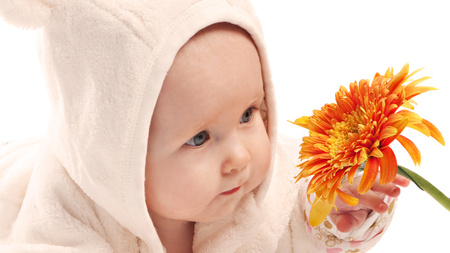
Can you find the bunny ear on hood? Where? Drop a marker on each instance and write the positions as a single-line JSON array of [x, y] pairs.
[[30, 14]]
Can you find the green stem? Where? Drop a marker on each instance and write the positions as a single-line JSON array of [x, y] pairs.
[[425, 186]]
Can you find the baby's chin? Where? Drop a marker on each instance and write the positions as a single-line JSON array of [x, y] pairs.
[[226, 211], [246, 200]]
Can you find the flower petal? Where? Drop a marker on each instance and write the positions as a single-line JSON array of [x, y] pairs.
[[351, 174], [369, 176], [319, 212], [413, 118], [349, 200], [408, 104], [303, 121], [412, 149], [400, 126], [435, 133], [416, 82], [411, 86], [397, 79], [376, 152], [410, 93], [421, 127], [413, 73], [387, 132], [344, 103], [388, 166]]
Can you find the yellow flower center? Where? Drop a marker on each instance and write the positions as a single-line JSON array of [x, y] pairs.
[[339, 135]]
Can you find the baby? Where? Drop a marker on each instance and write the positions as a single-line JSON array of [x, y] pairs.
[[163, 138]]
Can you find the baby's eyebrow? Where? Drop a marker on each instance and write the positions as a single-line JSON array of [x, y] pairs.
[[186, 129], [260, 95]]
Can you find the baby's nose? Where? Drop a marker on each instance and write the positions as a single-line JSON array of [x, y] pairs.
[[237, 156]]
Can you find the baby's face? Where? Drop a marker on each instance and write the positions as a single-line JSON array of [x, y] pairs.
[[208, 146]]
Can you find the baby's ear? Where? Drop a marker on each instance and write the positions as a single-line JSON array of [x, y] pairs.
[[26, 13]]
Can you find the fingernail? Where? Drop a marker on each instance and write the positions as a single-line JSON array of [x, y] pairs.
[[382, 208], [395, 192]]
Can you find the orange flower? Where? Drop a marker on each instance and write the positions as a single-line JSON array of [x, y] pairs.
[[358, 129]]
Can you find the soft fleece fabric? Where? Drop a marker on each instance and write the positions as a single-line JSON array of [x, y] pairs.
[[81, 187]]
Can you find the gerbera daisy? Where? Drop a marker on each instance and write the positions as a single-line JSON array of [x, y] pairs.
[[358, 130]]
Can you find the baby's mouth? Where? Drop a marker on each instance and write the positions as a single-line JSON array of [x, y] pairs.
[[234, 190]]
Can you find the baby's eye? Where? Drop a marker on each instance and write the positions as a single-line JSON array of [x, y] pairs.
[[247, 116], [199, 139]]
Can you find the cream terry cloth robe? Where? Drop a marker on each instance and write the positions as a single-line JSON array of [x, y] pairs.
[[81, 187]]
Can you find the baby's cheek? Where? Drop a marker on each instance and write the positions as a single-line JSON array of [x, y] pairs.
[[263, 157]]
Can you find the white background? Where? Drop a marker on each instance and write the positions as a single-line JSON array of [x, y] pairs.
[[317, 46], [314, 47]]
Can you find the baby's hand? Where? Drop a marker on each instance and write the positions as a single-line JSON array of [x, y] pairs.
[[348, 217]]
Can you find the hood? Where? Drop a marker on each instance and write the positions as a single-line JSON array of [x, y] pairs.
[[105, 63]]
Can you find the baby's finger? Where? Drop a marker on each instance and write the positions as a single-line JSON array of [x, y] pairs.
[[373, 201], [388, 189], [348, 221], [401, 181]]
